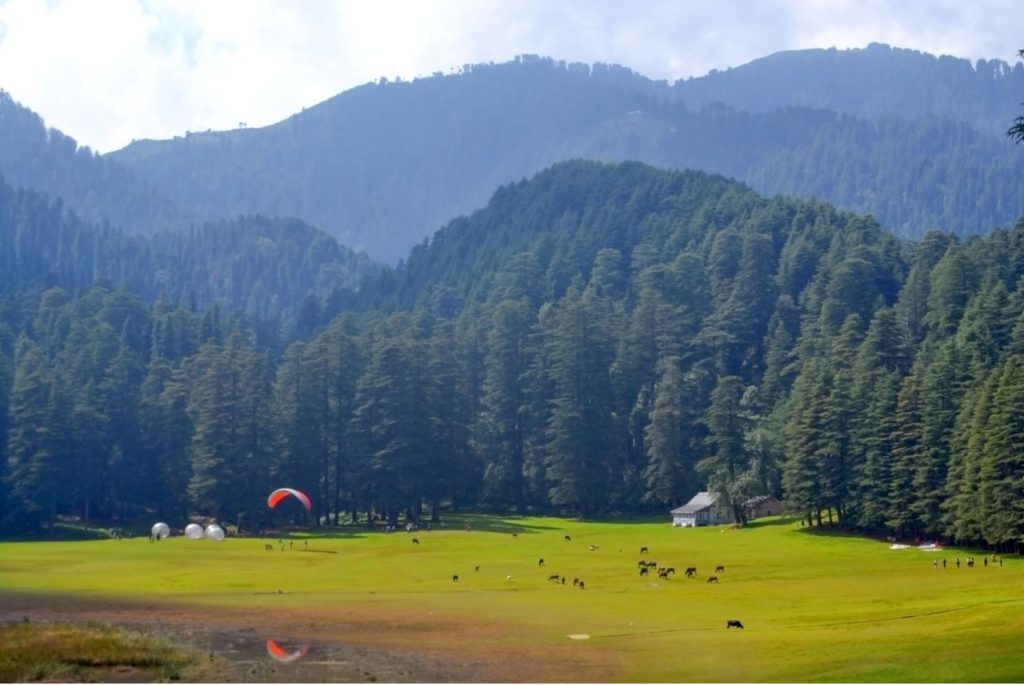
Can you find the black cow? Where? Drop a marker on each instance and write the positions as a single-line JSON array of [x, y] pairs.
[[582, 586], [568, 538], [691, 571], [415, 541], [663, 573], [643, 550], [719, 569], [540, 562], [643, 571], [669, 570], [712, 579], [553, 577], [455, 579], [733, 623]]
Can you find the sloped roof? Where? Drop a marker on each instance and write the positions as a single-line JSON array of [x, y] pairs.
[[700, 502], [754, 501]]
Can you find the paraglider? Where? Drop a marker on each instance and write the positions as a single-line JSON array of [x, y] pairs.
[[279, 494], [277, 653], [160, 530], [214, 532], [194, 531]]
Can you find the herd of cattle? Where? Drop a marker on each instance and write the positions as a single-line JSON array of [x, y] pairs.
[[644, 566]]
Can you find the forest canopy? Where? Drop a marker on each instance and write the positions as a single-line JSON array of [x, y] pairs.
[[599, 340]]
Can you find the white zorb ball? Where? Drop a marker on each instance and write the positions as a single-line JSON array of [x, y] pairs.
[[160, 530], [194, 531], [214, 532]]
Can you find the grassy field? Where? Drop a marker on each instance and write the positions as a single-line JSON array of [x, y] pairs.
[[58, 652], [816, 607]]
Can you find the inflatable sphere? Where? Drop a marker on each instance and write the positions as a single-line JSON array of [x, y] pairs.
[[194, 531], [214, 532], [160, 530]]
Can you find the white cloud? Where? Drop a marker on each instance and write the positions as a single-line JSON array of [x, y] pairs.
[[107, 72]]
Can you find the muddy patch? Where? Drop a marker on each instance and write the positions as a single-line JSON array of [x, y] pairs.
[[246, 658]]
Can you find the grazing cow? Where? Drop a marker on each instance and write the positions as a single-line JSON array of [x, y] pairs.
[[582, 586], [540, 562], [575, 582], [515, 535], [568, 538], [593, 547], [663, 573], [641, 564], [563, 580], [719, 569], [553, 577], [269, 548], [712, 579], [643, 571], [733, 623], [691, 571], [455, 579], [477, 569], [669, 570], [415, 541], [643, 550]]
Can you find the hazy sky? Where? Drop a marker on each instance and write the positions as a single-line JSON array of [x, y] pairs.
[[108, 71]]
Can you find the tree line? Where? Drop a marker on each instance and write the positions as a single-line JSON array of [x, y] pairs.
[[600, 340]]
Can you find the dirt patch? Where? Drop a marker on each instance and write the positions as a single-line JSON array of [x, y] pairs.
[[345, 644]]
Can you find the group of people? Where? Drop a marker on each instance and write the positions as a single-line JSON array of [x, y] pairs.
[[996, 559]]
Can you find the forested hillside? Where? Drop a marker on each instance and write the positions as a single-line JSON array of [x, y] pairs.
[[268, 269], [599, 339], [914, 140]]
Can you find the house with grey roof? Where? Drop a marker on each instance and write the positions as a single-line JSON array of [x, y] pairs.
[[704, 509]]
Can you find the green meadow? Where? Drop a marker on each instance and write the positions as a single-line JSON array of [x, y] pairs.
[[815, 606]]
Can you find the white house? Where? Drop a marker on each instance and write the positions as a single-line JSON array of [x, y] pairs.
[[702, 510]]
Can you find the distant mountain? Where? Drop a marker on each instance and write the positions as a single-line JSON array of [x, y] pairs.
[[912, 139], [875, 83]]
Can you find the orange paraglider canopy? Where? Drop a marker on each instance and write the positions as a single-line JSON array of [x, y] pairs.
[[279, 494]]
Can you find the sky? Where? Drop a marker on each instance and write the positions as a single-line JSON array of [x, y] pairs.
[[109, 71]]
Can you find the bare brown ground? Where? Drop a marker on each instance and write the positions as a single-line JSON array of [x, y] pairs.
[[439, 650]]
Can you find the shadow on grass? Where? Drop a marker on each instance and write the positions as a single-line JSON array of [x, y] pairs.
[[62, 532], [769, 521]]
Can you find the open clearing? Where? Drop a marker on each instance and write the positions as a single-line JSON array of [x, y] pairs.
[[815, 607]]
